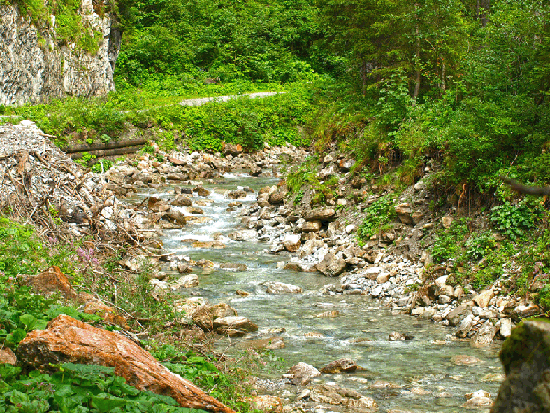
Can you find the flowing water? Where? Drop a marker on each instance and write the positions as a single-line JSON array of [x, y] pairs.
[[423, 376]]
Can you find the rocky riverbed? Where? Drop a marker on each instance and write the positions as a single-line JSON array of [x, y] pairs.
[[298, 284], [360, 327]]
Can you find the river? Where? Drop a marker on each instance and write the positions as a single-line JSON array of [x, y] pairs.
[[418, 375]]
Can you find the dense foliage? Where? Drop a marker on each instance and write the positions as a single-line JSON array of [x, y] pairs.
[[461, 82], [220, 40]]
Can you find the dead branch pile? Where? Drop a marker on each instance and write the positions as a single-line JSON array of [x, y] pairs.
[[41, 185]]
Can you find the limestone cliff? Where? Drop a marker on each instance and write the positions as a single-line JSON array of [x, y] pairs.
[[35, 67]]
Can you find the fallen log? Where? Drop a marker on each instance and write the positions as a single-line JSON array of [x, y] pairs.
[[103, 146], [106, 152], [526, 190]]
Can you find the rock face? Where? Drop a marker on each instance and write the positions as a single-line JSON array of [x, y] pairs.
[[34, 68], [70, 340], [525, 356]]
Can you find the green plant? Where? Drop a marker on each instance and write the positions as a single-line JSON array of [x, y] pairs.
[[513, 220], [379, 213], [449, 243], [102, 165], [85, 159], [78, 388], [478, 245], [302, 174], [23, 252]]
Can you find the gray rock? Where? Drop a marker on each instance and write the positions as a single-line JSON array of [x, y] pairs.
[[234, 326], [187, 281], [484, 335], [343, 365], [292, 242], [465, 326], [483, 298], [233, 266], [321, 214], [236, 194], [182, 200], [404, 212], [276, 287], [331, 265], [302, 373], [458, 314], [311, 226], [277, 198], [243, 235], [505, 327], [36, 72], [335, 395], [478, 400]]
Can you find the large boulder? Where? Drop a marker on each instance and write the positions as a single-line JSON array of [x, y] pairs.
[[204, 317], [331, 265], [458, 314], [292, 242], [67, 340], [338, 366], [302, 373], [333, 394], [51, 281], [404, 213], [525, 356], [182, 200], [277, 198]]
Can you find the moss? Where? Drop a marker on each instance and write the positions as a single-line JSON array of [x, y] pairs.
[[525, 338], [69, 27]]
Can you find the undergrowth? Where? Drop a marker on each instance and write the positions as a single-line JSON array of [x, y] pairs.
[[275, 120], [89, 388], [379, 213], [514, 250]]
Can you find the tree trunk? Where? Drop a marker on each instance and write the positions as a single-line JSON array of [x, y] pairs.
[[417, 51], [443, 74], [364, 77]]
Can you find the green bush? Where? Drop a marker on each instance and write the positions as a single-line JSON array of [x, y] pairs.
[[479, 244], [513, 220], [377, 214], [449, 243], [23, 252]]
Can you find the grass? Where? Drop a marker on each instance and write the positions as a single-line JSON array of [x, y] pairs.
[[157, 114]]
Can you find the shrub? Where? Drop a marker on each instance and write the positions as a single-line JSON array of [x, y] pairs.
[[380, 212], [513, 220], [449, 243]]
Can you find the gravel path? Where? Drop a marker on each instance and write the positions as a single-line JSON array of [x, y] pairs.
[[202, 101]]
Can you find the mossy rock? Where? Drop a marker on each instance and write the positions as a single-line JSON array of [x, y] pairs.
[[525, 356]]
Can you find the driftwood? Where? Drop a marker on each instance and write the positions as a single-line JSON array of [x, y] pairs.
[[526, 190]]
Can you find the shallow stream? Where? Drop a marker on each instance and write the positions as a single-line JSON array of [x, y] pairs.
[[424, 377]]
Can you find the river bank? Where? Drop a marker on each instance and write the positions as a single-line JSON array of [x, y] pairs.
[[222, 229]]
